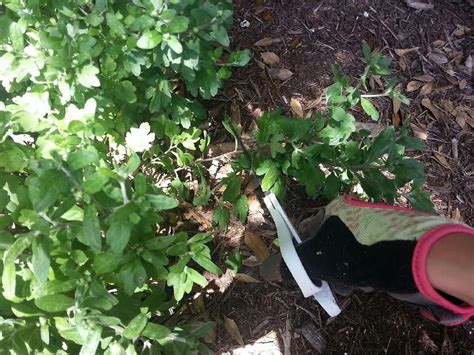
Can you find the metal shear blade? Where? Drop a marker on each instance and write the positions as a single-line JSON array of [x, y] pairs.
[[286, 232]]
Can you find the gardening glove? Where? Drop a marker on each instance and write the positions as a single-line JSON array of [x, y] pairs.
[[378, 247]]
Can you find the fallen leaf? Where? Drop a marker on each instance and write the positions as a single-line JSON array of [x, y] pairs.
[[438, 58], [443, 88], [461, 118], [413, 86], [396, 120], [314, 103], [280, 73], [258, 247], [396, 105], [456, 215], [463, 84], [402, 63], [252, 185], [233, 330], [235, 113], [434, 111], [264, 42], [251, 261], [296, 107], [270, 58], [418, 132], [448, 106], [426, 89], [442, 160], [418, 5], [245, 278], [425, 78], [403, 51]]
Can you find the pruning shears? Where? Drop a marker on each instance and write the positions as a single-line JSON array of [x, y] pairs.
[[286, 233]]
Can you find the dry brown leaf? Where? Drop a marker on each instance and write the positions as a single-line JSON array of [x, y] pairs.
[[314, 103], [418, 132], [251, 261], [264, 42], [396, 105], [414, 85], [456, 215], [425, 78], [461, 118], [258, 247], [233, 330], [443, 88], [252, 185], [235, 113], [419, 5], [402, 63], [297, 107], [442, 160], [438, 58], [434, 111], [426, 89], [403, 51], [245, 278], [270, 58], [280, 73], [396, 120], [448, 106], [463, 84]]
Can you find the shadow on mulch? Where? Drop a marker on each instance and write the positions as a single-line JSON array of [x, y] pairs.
[[308, 37]]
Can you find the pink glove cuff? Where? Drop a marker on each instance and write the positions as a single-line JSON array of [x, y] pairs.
[[419, 269]]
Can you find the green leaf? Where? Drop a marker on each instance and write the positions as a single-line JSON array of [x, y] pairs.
[[162, 202], [40, 259], [43, 193], [241, 208], [118, 236], [149, 40], [155, 331], [221, 217], [132, 164], [87, 76], [82, 158], [105, 263], [13, 160], [369, 109], [174, 43], [91, 228], [9, 281], [127, 92], [54, 303], [232, 191], [206, 263], [271, 174], [136, 326], [195, 276], [220, 35], [178, 24], [95, 183]]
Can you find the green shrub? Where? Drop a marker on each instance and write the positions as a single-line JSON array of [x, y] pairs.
[[91, 261], [327, 153]]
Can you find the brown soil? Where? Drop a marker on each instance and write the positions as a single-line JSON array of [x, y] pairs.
[[309, 36]]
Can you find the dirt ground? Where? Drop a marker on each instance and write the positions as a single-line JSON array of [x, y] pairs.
[[432, 53]]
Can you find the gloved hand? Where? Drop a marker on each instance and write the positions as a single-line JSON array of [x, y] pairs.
[[378, 247]]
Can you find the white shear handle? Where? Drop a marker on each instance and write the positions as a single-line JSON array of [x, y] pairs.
[[286, 232]]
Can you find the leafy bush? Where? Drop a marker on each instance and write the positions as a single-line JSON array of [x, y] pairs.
[[327, 153], [90, 255]]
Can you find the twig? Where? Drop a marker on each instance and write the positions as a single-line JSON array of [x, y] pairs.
[[454, 143]]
